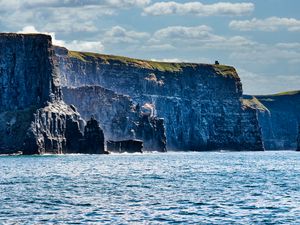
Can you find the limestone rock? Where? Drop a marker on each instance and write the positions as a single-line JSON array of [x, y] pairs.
[[94, 137], [201, 104], [119, 117], [129, 146], [33, 117], [279, 116]]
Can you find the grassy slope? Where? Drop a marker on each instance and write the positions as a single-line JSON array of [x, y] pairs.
[[284, 101], [152, 65], [282, 96]]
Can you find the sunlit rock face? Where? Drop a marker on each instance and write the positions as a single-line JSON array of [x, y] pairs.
[[33, 117], [279, 117], [200, 104], [119, 117]]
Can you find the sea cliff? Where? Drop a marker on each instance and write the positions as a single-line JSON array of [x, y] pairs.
[[33, 117], [201, 104], [279, 117], [119, 117], [179, 106]]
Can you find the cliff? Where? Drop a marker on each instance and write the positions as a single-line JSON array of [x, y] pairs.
[[279, 116], [119, 117], [33, 117], [129, 146], [200, 103]]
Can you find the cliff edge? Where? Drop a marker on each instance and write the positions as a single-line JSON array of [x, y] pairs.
[[279, 116], [201, 104], [33, 117]]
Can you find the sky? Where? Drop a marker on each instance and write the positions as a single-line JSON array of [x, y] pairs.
[[260, 38]]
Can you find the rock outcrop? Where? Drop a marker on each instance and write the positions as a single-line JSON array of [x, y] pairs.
[[33, 117], [279, 116], [119, 117], [94, 137], [129, 146], [201, 104]]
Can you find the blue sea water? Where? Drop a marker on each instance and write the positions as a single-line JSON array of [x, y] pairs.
[[171, 188]]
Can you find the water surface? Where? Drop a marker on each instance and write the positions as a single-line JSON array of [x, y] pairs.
[[171, 188]]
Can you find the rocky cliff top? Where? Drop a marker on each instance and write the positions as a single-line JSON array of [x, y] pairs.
[[172, 67], [279, 118], [10, 35], [284, 101], [282, 94], [29, 76]]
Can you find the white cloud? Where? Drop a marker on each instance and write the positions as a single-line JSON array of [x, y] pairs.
[[67, 16], [174, 60], [118, 34], [200, 33], [28, 30], [258, 84], [197, 37], [268, 24], [292, 45], [198, 8], [266, 54], [234, 43], [157, 47], [88, 46], [14, 4], [128, 3]]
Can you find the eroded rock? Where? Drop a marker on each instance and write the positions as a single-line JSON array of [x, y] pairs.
[[279, 116], [129, 146], [33, 117], [200, 103], [119, 117]]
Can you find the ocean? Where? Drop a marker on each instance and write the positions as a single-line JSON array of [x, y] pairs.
[[154, 188]]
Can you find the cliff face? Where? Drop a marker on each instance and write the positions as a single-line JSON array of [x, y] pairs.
[[28, 76], [33, 117], [279, 116], [119, 117], [201, 104]]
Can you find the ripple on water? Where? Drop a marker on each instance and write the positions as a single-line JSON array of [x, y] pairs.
[[183, 188]]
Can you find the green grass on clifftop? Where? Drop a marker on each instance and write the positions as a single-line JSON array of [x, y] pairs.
[[281, 95], [147, 64], [108, 59], [286, 93], [225, 70]]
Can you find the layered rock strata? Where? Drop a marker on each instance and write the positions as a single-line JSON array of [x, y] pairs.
[[279, 116], [201, 104], [33, 117], [129, 146], [119, 117], [94, 137]]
